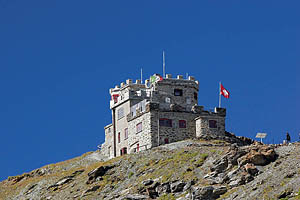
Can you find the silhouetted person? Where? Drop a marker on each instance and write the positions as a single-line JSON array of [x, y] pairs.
[[288, 137]]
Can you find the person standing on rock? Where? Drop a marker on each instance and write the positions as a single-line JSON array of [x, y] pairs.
[[288, 137]]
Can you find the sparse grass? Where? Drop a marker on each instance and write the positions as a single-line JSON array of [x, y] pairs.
[[167, 197], [228, 193], [130, 174]]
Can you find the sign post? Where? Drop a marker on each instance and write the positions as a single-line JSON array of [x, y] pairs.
[[261, 136]]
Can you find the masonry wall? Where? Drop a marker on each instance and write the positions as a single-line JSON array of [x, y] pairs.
[[143, 138], [121, 124], [174, 133], [203, 129], [165, 89], [107, 146]]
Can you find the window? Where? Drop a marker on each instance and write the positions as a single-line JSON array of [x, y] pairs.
[[166, 141], [168, 100], [182, 124], [123, 151], [109, 149], [177, 92], [188, 100], [165, 122], [137, 147], [126, 134], [119, 137], [109, 130], [139, 127], [212, 124], [115, 97], [120, 113], [196, 96]]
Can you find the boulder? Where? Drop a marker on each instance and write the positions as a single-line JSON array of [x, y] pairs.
[[147, 182], [163, 188], [177, 186], [251, 169], [218, 191], [220, 165], [203, 193], [100, 171]]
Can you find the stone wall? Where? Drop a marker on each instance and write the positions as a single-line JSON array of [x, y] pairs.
[[203, 129], [174, 133], [107, 146], [164, 93], [142, 138]]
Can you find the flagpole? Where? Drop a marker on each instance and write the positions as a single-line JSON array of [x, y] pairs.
[[164, 65], [141, 75], [220, 94]]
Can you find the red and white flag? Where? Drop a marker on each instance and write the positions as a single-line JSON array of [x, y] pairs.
[[224, 92]]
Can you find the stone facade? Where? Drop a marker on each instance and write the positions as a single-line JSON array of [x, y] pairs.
[[157, 112]]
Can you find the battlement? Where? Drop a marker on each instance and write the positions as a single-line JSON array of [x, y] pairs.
[[162, 90]]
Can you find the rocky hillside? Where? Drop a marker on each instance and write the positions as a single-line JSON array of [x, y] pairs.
[[192, 169]]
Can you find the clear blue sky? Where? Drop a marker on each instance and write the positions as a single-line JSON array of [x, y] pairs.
[[58, 60]]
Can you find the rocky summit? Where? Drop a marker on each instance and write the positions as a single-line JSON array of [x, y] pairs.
[[190, 169]]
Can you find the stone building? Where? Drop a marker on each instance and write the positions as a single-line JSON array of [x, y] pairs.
[[161, 111]]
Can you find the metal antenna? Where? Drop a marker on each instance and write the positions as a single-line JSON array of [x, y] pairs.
[[164, 65], [142, 75]]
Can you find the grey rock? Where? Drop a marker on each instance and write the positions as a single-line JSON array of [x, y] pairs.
[[203, 193], [177, 186], [219, 191], [220, 165], [135, 197], [147, 182], [100, 171], [164, 188]]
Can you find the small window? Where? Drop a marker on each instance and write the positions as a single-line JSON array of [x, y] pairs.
[[182, 124], [126, 134], [166, 141], [168, 100], [119, 137], [177, 92], [196, 96], [137, 147], [165, 122], [139, 127], [188, 100], [109, 130], [212, 124], [123, 151], [120, 113]]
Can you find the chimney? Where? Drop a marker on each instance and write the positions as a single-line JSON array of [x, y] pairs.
[[122, 84], [138, 81]]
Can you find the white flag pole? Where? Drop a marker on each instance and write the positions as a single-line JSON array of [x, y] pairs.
[[141, 75], [220, 94], [164, 65]]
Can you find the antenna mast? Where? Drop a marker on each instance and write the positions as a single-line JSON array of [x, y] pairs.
[[164, 65], [141, 75]]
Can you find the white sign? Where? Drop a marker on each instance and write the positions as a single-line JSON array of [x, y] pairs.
[[261, 136]]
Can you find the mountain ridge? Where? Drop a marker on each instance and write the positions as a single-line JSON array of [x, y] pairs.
[[190, 169]]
